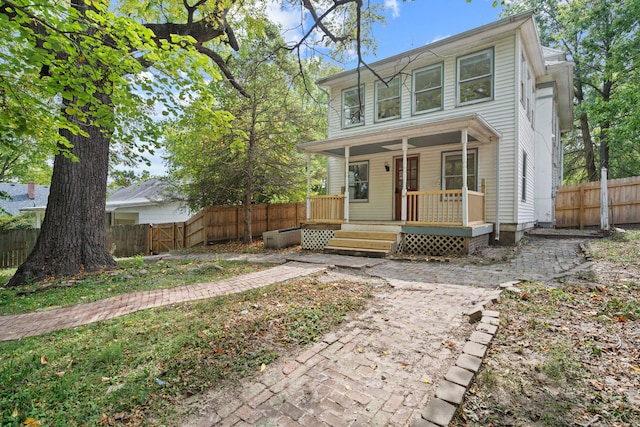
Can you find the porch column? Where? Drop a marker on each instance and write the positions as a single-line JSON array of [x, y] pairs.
[[465, 190], [405, 143], [308, 186], [346, 184]]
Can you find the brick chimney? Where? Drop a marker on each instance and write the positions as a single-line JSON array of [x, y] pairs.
[[31, 192]]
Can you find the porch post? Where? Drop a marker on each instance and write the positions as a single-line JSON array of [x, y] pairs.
[[308, 186], [346, 184], [465, 190], [405, 143]]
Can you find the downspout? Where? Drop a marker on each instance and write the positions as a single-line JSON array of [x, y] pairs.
[[497, 228]]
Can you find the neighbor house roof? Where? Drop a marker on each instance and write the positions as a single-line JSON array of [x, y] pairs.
[[19, 197], [146, 193]]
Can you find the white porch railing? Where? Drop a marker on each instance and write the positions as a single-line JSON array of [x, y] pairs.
[[441, 207]]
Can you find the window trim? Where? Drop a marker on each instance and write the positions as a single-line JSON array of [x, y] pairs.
[[439, 65], [376, 100], [445, 154], [360, 162], [492, 74], [362, 107]]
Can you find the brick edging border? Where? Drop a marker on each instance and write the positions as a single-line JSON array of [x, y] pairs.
[[450, 394]]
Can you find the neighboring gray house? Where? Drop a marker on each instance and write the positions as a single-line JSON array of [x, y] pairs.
[[143, 203], [461, 144], [21, 197]]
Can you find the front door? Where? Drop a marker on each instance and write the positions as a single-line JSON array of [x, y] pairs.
[[412, 183]]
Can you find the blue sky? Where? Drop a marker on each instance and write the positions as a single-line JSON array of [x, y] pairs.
[[412, 24]]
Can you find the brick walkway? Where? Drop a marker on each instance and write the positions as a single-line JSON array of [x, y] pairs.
[[37, 323], [380, 368]]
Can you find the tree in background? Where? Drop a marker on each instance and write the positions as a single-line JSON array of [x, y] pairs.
[[602, 38], [242, 150]]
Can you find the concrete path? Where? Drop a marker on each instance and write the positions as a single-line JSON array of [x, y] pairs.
[[379, 368]]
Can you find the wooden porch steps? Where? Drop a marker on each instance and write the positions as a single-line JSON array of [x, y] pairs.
[[362, 243]]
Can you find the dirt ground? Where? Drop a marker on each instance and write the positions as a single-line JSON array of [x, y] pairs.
[[567, 352]]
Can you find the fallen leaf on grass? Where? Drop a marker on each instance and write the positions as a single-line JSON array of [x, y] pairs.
[[44, 360], [263, 367], [32, 422]]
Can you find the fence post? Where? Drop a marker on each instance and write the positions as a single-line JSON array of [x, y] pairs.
[[604, 201], [581, 213]]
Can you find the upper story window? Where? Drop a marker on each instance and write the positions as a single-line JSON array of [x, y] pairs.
[[353, 106], [452, 170], [388, 99], [475, 77], [427, 89]]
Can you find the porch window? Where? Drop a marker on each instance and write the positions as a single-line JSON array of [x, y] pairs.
[[353, 106], [475, 77], [452, 170], [359, 181], [427, 89], [388, 99]]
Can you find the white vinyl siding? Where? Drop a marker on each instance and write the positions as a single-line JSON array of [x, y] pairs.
[[475, 77], [388, 99], [427, 89]]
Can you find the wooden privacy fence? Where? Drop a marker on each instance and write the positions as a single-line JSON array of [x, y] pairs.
[[15, 246], [578, 206], [212, 224]]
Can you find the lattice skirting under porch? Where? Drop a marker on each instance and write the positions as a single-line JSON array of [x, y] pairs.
[[315, 239], [432, 245]]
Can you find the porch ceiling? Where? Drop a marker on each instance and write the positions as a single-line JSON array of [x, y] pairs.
[[424, 134]]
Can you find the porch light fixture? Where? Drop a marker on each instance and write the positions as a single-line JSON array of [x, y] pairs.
[[386, 166]]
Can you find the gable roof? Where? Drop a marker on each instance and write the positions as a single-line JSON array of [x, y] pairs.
[[19, 197], [146, 193]]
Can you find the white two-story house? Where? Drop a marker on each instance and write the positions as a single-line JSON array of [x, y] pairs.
[[449, 147]]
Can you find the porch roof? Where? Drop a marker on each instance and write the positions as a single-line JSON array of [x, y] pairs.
[[419, 135]]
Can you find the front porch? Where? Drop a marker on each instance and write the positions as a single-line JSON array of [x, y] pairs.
[[427, 181], [434, 226]]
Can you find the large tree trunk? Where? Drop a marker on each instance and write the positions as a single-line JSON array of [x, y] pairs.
[[73, 237], [589, 152]]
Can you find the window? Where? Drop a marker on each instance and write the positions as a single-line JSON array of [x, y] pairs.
[[359, 181], [475, 77], [524, 176], [353, 106], [427, 89], [452, 170], [523, 81], [388, 99]]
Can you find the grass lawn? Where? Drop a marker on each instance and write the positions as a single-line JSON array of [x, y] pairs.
[[136, 369], [567, 351]]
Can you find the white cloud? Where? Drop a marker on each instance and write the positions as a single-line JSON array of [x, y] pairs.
[[288, 19], [393, 6]]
